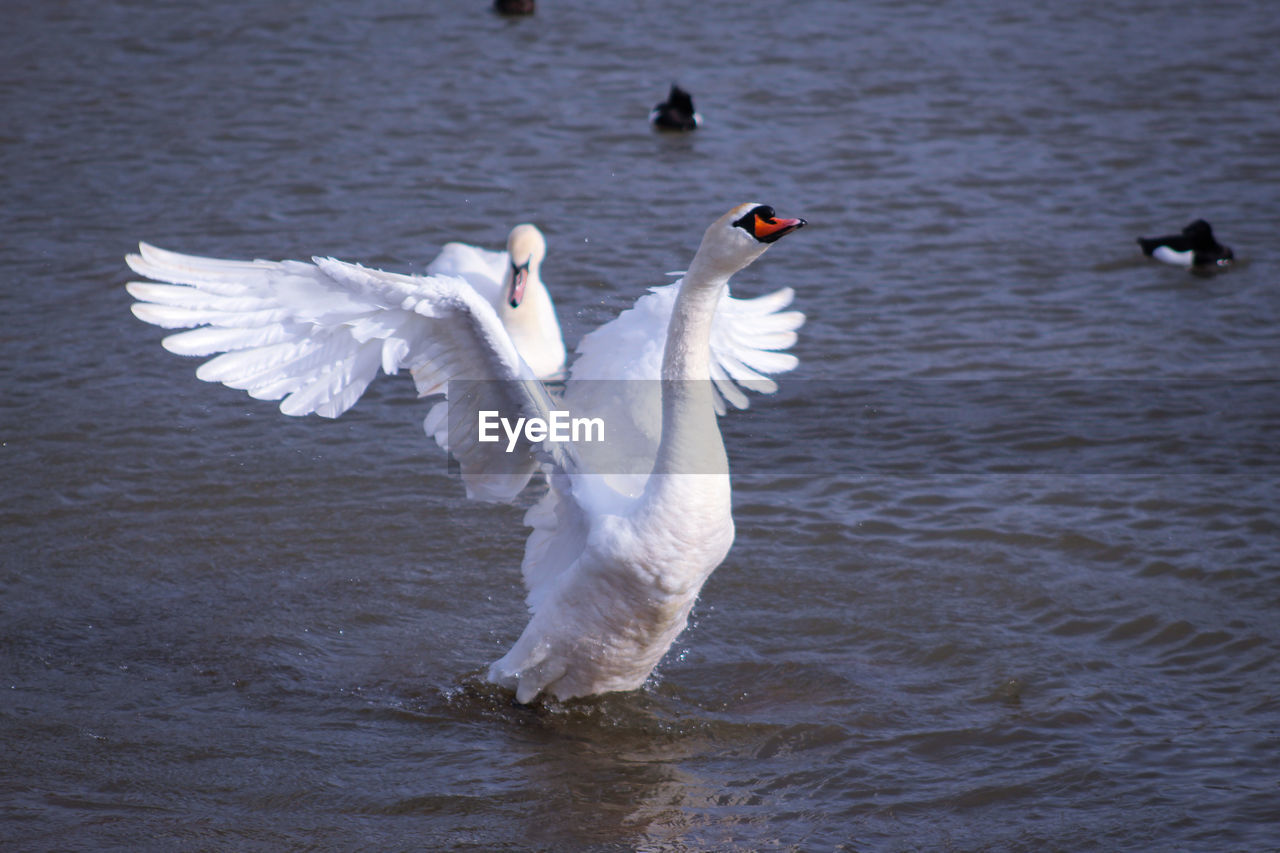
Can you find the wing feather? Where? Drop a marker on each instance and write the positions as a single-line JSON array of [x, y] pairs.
[[208, 340], [747, 337], [314, 335]]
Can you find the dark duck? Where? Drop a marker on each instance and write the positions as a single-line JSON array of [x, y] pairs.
[[676, 112], [1194, 248], [513, 7]]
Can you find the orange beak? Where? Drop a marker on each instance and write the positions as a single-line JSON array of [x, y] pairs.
[[768, 230]]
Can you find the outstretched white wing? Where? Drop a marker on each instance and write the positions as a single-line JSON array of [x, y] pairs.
[[617, 373], [747, 339], [314, 335]]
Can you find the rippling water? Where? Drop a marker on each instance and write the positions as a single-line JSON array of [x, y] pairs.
[[941, 626]]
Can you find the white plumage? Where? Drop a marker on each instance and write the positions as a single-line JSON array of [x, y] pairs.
[[616, 372], [1173, 256], [512, 283], [612, 570]]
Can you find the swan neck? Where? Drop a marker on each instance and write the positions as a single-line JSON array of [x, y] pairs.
[[690, 435], [534, 311], [533, 326], [687, 354]]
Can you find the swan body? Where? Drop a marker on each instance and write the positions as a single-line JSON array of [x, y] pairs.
[[612, 573], [1194, 248]]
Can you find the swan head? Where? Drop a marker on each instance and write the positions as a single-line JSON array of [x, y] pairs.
[[740, 236], [525, 250]]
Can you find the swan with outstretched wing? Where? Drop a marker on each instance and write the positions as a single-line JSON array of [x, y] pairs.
[[611, 573]]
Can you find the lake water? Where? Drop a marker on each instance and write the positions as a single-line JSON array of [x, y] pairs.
[[1007, 572]]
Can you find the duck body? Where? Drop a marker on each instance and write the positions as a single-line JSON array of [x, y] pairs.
[[612, 572], [514, 7], [1194, 248], [676, 112]]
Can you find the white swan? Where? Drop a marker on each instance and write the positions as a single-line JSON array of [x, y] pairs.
[[512, 282], [612, 576], [611, 573]]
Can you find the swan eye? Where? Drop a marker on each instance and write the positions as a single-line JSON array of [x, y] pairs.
[[762, 213]]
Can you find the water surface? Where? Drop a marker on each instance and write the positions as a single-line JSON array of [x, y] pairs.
[[938, 629]]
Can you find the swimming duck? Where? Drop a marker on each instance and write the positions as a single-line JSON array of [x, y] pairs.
[[676, 112], [513, 7], [1194, 248]]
